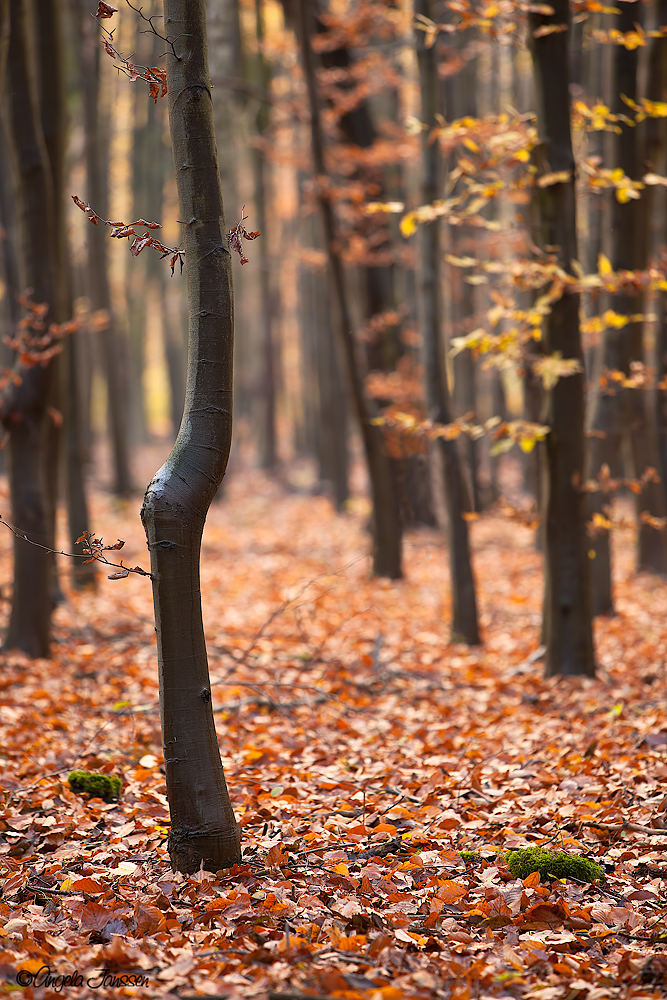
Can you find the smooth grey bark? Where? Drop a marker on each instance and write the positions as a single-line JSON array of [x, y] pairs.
[[203, 826], [567, 625], [386, 524], [98, 276], [464, 602], [23, 409]]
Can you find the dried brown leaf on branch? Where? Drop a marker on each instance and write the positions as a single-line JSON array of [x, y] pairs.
[[237, 234], [105, 10]]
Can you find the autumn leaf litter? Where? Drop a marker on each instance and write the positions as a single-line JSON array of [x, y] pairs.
[[363, 753]]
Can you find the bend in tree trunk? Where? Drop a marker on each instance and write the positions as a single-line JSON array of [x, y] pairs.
[[203, 828]]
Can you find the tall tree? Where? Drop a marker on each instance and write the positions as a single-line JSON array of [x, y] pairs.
[[464, 602], [268, 454], [656, 159], [203, 827], [98, 274], [51, 47], [624, 414], [567, 630], [23, 409], [386, 514]]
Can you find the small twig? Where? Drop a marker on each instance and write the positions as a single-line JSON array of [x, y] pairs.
[[149, 20], [155, 76], [122, 230], [279, 611], [94, 556], [622, 827], [265, 702]]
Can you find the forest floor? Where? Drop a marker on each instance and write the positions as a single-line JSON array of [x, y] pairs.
[[363, 752]]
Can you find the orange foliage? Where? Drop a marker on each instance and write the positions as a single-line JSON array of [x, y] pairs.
[[362, 753]]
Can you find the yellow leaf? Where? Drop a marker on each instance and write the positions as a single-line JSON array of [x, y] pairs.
[[471, 145], [604, 265], [408, 224]]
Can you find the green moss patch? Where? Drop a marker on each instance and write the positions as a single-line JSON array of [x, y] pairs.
[[98, 786], [551, 864], [471, 857]]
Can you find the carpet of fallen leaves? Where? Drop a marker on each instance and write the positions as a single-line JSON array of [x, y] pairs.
[[363, 752]]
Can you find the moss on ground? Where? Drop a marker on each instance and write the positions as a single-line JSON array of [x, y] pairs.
[[471, 857], [98, 786], [551, 864]]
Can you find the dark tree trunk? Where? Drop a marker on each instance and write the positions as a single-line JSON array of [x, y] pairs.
[[326, 397], [203, 827], [656, 157], [268, 453], [96, 190], [567, 630], [53, 104], [631, 225], [460, 98], [464, 602], [613, 416], [386, 513], [24, 408], [384, 348]]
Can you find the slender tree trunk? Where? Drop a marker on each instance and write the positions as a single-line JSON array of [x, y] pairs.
[[460, 93], [631, 224], [53, 104], [96, 184], [24, 408], [464, 602], [268, 454], [326, 396], [386, 514], [203, 827], [568, 632], [384, 347], [656, 156], [612, 416], [144, 152]]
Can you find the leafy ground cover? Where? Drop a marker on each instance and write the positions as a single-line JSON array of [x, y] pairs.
[[363, 754]]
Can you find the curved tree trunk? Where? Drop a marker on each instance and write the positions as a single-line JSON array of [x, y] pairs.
[[567, 630], [24, 409], [203, 827], [464, 602]]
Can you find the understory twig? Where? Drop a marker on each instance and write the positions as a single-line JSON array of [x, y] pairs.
[[96, 552]]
